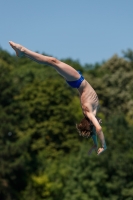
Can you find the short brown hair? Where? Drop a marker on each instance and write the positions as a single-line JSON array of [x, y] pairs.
[[85, 127]]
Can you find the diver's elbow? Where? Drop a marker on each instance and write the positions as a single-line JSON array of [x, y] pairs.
[[98, 129]]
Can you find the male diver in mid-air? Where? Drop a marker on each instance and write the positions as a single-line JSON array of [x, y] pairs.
[[90, 125]]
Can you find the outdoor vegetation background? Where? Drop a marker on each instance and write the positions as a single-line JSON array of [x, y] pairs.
[[41, 154]]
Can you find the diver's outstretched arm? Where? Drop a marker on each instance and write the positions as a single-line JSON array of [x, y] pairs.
[[94, 138], [93, 148], [98, 131]]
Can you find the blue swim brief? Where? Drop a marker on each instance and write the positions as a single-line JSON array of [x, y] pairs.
[[77, 83]]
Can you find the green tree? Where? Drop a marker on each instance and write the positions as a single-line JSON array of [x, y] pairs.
[[46, 158]]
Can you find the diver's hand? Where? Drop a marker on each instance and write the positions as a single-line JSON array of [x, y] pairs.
[[100, 150], [93, 148]]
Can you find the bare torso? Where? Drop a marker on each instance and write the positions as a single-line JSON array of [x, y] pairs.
[[88, 98]]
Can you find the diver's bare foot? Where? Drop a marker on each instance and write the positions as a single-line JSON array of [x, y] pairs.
[[18, 49]]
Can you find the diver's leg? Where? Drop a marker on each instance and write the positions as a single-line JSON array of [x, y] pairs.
[[65, 70]]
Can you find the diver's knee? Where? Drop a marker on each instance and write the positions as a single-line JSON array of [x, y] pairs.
[[53, 61]]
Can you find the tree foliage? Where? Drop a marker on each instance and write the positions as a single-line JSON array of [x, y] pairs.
[[41, 154]]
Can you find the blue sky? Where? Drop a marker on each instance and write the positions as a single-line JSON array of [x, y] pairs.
[[86, 30]]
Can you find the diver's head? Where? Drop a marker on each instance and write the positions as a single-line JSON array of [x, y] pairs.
[[85, 127]]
